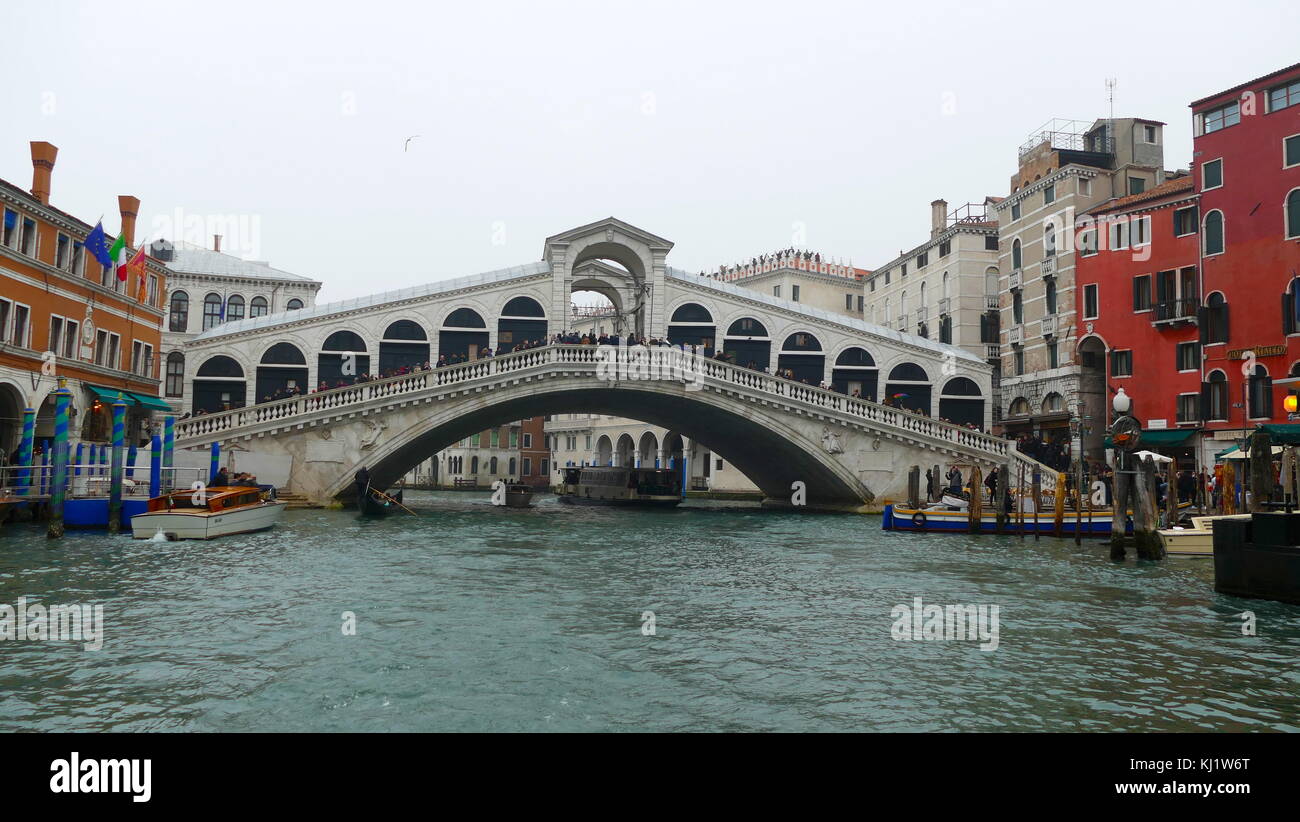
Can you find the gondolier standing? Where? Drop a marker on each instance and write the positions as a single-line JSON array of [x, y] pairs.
[[363, 482]]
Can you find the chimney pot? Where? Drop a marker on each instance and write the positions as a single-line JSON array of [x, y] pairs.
[[129, 208], [938, 217], [216, 242], [43, 157]]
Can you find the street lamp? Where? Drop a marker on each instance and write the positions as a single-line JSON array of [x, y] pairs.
[[1122, 402]]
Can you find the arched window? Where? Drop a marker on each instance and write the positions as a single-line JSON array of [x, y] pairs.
[[211, 311], [747, 327], [1015, 254], [404, 330], [175, 373], [1019, 408], [179, 312], [523, 307], [473, 465], [1215, 396], [258, 307], [945, 285], [234, 308], [1293, 214], [1259, 394], [1214, 232], [492, 466], [1214, 319], [1017, 308], [1049, 240], [464, 318], [512, 466], [293, 305]]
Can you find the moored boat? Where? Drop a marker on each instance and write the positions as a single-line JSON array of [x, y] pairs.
[[374, 502], [1197, 541], [597, 485], [941, 518], [519, 495], [217, 512]]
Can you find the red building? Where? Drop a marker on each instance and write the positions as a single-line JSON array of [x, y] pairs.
[[1246, 169], [1138, 292]]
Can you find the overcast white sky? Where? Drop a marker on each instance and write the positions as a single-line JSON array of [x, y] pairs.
[[722, 127]]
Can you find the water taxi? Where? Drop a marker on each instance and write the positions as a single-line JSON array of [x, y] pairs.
[[219, 512], [518, 495], [595, 485], [1197, 541]]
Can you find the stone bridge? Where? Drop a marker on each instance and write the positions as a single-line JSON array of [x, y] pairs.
[[851, 454]]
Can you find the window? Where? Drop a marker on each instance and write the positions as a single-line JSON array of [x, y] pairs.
[[1015, 211], [495, 438], [107, 346], [211, 311], [1259, 394], [475, 440], [1185, 221], [922, 260], [1118, 234], [234, 308], [1049, 194], [1149, 134], [794, 293], [848, 302], [9, 228], [1141, 231], [1291, 151], [528, 466], [141, 358], [179, 319], [257, 307], [1293, 214], [1088, 242], [1049, 240], [1136, 185], [293, 305], [1017, 308], [63, 252], [1142, 293], [528, 440], [945, 330], [1213, 320], [776, 291], [1121, 363], [945, 248], [1213, 233], [1222, 117], [175, 385], [1214, 397], [1085, 187], [1187, 356], [1212, 174], [859, 303], [63, 337], [1019, 360], [18, 331], [1053, 359], [1284, 96], [1090, 301], [1015, 254], [1049, 297], [1188, 407], [27, 242], [990, 243]]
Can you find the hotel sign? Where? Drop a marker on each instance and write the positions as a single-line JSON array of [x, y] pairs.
[[1260, 351]]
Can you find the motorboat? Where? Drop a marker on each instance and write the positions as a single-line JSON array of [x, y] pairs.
[[213, 512], [1197, 541], [595, 485]]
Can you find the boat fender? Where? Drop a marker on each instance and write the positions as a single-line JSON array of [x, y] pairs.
[[918, 519]]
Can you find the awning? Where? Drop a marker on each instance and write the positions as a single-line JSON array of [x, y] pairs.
[[1234, 453], [110, 395], [1281, 434], [1161, 438]]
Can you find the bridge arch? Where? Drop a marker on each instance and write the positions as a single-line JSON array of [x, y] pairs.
[[404, 344], [219, 385], [802, 358], [604, 450], [462, 334], [855, 371]]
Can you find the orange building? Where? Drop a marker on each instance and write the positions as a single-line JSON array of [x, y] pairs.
[[63, 315]]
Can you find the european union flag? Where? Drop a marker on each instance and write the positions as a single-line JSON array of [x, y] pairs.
[[97, 243]]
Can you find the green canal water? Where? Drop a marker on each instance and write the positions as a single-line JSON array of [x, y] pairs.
[[470, 617]]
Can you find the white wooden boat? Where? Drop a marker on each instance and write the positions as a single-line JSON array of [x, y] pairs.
[[225, 511], [1197, 541]]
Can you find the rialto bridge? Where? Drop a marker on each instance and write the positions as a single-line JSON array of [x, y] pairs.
[[848, 451]]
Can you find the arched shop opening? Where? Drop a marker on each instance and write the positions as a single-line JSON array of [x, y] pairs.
[[855, 370], [522, 320], [405, 345], [342, 359], [747, 344], [802, 359], [218, 386], [909, 387], [961, 402], [283, 370], [692, 324], [463, 336]]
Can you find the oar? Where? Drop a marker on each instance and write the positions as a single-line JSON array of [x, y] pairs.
[[393, 501]]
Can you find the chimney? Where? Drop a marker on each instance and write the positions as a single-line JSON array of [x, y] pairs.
[[129, 208], [43, 155], [938, 217], [216, 242]]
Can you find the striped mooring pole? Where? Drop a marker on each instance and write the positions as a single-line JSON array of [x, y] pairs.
[[115, 479], [169, 441], [155, 465], [23, 477], [215, 465], [76, 463], [59, 482], [130, 459]]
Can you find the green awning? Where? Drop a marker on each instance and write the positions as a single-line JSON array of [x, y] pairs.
[[1281, 434], [110, 395], [1160, 438]]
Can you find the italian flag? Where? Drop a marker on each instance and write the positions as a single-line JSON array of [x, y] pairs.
[[118, 253]]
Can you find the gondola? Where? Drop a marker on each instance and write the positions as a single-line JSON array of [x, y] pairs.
[[375, 503]]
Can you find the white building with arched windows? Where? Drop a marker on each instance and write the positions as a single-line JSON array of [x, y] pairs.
[[206, 288]]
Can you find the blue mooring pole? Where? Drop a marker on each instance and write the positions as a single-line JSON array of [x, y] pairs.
[[130, 459], [115, 479], [169, 441], [23, 477], [215, 465], [59, 482], [155, 466]]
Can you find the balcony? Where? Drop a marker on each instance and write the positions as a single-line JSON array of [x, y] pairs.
[[922, 314], [945, 305], [992, 352], [1049, 325], [902, 323], [992, 303], [1016, 335], [1049, 266], [1016, 280], [1175, 313]]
